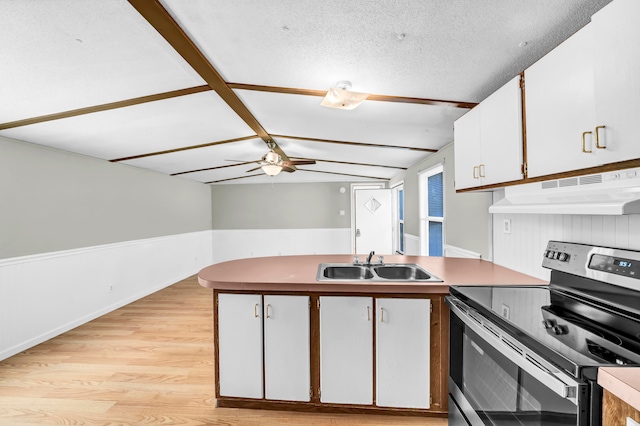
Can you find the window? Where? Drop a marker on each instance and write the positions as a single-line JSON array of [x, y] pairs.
[[432, 211], [398, 218]]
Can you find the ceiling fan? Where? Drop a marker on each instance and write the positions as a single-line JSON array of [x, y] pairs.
[[272, 163]]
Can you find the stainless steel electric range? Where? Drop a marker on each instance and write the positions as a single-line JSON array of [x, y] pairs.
[[529, 355]]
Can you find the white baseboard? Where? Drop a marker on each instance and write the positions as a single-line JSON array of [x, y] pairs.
[[42, 296], [229, 244]]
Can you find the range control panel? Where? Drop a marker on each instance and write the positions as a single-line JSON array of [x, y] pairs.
[[617, 266]]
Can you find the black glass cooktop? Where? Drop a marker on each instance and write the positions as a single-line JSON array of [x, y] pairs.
[[568, 326]]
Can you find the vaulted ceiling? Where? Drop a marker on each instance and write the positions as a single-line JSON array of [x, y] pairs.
[[195, 88]]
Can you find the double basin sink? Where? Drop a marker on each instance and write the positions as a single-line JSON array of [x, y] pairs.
[[374, 272]]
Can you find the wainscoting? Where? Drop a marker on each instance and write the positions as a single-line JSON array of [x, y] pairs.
[[243, 243], [44, 295], [522, 248]]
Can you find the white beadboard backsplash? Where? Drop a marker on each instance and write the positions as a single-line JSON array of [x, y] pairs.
[[522, 248]]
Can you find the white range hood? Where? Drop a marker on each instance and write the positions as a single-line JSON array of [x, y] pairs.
[[611, 193]]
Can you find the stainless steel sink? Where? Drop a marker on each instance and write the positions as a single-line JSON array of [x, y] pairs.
[[396, 272], [347, 272]]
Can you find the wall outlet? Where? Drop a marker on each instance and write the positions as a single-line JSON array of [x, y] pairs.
[[110, 288], [506, 226], [506, 312]]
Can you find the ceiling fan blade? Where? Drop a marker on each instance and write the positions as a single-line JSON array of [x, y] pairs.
[[287, 169], [301, 162]]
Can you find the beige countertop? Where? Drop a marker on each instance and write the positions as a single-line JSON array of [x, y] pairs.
[[623, 382], [298, 273]]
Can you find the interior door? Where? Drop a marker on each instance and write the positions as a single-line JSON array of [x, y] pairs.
[[373, 221]]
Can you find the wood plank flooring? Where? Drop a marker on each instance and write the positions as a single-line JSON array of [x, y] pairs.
[[148, 363]]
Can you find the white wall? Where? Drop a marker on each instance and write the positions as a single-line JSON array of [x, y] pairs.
[[44, 295], [229, 244], [522, 249]]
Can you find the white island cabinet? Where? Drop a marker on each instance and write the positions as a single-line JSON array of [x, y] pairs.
[[240, 337], [402, 352], [346, 350], [243, 320]]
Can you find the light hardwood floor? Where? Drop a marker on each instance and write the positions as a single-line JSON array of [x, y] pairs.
[[148, 363]]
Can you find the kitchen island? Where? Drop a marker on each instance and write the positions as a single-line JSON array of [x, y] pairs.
[[284, 340]]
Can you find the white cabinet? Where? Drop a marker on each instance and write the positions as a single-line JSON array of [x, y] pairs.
[[243, 320], [560, 108], [287, 348], [346, 350], [616, 47], [240, 345], [582, 98], [402, 353], [488, 139]]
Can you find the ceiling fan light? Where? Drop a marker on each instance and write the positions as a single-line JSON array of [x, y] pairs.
[[271, 169], [341, 98]]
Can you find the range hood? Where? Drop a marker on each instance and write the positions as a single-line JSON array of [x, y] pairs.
[[611, 193]]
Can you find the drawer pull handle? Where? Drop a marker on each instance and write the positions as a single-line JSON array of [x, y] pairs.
[[584, 143], [598, 138]]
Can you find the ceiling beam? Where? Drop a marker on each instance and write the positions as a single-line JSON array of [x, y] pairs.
[[374, 145], [186, 148], [105, 107], [244, 163], [372, 97], [168, 28], [235, 178], [342, 174], [349, 163]]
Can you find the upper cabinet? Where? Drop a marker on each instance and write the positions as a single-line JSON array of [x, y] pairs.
[[488, 140], [560, 110], [581, 98], [616, 60]]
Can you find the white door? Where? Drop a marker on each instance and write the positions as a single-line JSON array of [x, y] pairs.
[[287, 363], [402, 353], [346, 350], [240, 345], [373, 221]]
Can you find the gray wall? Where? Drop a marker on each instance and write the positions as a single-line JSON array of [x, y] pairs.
[[280, 206], [467, 219], [52, 200]]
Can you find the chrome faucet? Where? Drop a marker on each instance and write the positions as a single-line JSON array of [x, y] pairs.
[[369, 257]]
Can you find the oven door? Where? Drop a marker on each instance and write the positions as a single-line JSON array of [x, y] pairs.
[[494, 380]]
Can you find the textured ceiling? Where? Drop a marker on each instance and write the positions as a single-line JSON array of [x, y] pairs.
[[105, 79]]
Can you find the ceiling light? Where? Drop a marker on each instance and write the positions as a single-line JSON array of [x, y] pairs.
[[342, 98], [271, 169]]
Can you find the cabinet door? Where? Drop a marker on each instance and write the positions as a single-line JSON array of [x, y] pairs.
[[240, 345], [402, 353], [501, 135], [617, 79], [286, 348], [559, 99], [466, 148], [346, 350]]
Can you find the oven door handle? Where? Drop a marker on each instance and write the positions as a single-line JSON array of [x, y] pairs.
[[554, 379]]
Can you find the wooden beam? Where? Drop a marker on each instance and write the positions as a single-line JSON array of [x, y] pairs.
[[168, 28], [235, 178], [186, 148], [372, 97], [374, 145], [105, 107], [244, 163], [348, 163]]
